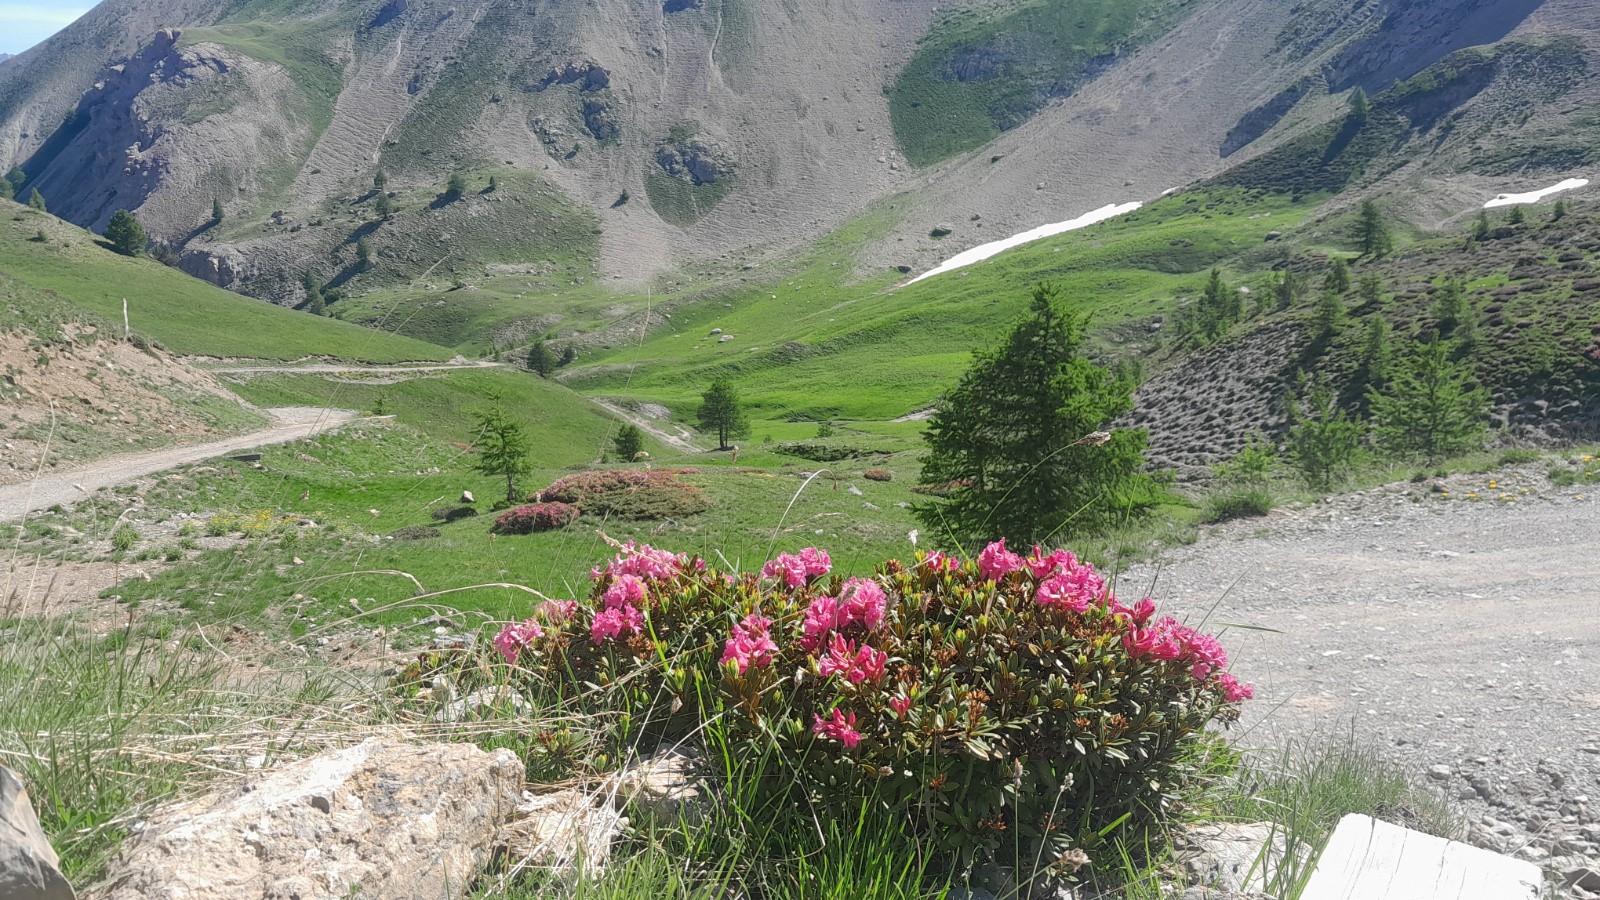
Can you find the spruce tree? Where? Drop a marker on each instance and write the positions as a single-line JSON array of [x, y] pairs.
[[1376, 240], [628, 443], [1371, 291], [1375, 350], [1019, 446], [125, 234], [216, 210], [1560, 211], [36, 200], [17, 178], [7, 192], [501, 446], [1430, 404], [1450, 308], [315, 303], [1517, 216], [383, 206], [363, 253], [1360, 106], [1329, 314], [721, 412], [1287, 290], [540, 360], [1323, 440], [379, 180], [455, 186], [569, 355], [1338, 277], [1480, 226]]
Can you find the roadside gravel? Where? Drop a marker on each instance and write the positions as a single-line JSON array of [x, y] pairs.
[[1454, 625]]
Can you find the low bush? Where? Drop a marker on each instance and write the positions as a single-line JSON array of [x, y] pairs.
[[1005, 710], [824, 450], [532, 517], [123, 538], [1519, 457], [1237, 504], [415, 533], [627, 494], [878, 475]]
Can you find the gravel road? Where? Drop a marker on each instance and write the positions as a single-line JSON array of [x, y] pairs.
[[67, 485], [1455, 627]]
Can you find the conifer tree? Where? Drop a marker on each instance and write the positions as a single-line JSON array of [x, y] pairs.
[[1517, 216], [1018, 445], [569, 355], [125, 234], [1371, 291], [216, 210], [721, 412], [315, 303], [1323, 440], [1376, 240], [1360, 106], [1338, 277], [363, 253], [1480, 226], [540, 360], [379, 180], [1287, 290], [628, 443], [7, 192], [1430, 404], [501, 445], [1375, 349], [17, 178], [1560, 211], [36, 200], [383, 206], [1329, 314], [455, 186]]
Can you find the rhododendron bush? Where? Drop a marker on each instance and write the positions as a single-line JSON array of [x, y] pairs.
[[1010, 704]]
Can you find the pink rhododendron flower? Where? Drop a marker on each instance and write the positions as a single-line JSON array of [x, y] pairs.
[[822, 617], [613, 623], [516, 637], [751, 643], [1073, 587], [816, 561], [1142, 611], [789, 569], [838, 727], [996, 562], [558, 611], [861, 600], [900, 704], [852, 664], [645, 562], [1042, 564], [940, 562], [627, 590], [1159, 641], [1233, 690], [1205, 652]]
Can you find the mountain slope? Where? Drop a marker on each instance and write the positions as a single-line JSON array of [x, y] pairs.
[[671, 135]]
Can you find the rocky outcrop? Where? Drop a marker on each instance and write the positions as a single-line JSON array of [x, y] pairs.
[[1414, 34], [695, 159], [27, 861], [377, 820], [590, 76]]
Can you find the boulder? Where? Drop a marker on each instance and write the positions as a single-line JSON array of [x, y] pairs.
[[27, 861], [1232, 857], [666, 788], [378, 820], [563, 833]]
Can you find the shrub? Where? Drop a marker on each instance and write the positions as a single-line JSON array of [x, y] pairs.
[[453, 513], [123, 538], [1518, 457], [415, 533], [878, 475], [1005, 707], [531, 517], [1237, 504], [627, 494]]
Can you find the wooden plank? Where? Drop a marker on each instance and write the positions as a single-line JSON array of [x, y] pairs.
[[1367, 859]]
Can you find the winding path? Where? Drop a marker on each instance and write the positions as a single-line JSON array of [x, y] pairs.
[[66, 486]]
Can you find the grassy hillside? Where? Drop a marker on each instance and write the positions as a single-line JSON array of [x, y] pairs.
[[184, 314], [987, 67]]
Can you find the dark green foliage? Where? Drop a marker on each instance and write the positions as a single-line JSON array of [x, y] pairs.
[[721, 412], [36, 200], [1559, 212], [1242, 503], [1431, 405], [316, 303], [628, 443], [628, 494], [1517, 216], [216, 210], [569, 355], [1376, 350], [16, 178], [455, 186], [1337, 278], [1450, 307], [1324, 441], [7, 192], [1370, 291], [494, 184], [380, 180], [1219, 307], [1286, 290], [1481, 227], [1328, 315], [540, 360], [1360, 106], [1376, 240], [1251, 466], [125, 234], [1020, 438], [501, 446], [363, 253], [383, 206]]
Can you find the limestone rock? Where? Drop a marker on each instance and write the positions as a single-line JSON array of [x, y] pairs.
[[27, 861], [1232, 857], [564, 833], [667, 787], [377, 820]]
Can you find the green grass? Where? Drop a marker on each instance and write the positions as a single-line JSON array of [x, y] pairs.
[[681, 203], [74, 274], [986, 67]]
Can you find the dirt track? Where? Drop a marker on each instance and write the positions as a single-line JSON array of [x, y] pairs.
[[68, 485]]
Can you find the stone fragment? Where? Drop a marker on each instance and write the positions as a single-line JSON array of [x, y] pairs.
[[564, 833], [1232, 857], [378, 820], [27, 861]]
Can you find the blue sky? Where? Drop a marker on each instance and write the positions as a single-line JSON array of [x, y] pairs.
[[23, 24]]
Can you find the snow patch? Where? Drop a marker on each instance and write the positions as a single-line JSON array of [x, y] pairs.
[[984, 251], [1571, 184]]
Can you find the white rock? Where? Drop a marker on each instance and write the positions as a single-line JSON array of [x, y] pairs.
[[378, 820], [27, 861]]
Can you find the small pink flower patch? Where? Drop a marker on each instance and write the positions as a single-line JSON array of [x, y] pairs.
[[1233, 690], [996, 562], [822, 617], [901, 704], [516, 637], [852, 664], [627, 590], [751, 643], [644, 561], [795, 570], [1072, 587], [1043, 565], [938, 561], [839, 727], [861, 600]]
